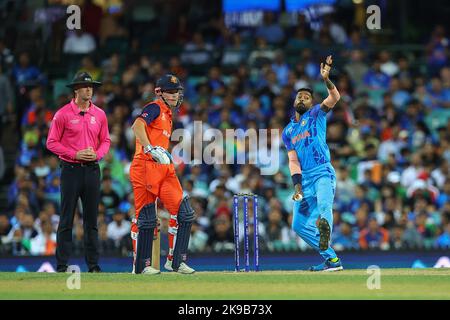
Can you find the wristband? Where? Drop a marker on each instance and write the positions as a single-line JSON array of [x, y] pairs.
[[297, 179]]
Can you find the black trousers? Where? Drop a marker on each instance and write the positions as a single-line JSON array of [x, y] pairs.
[[78, 181]]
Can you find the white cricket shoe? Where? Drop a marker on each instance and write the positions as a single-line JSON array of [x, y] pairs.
[[184, 268], [150, 270]]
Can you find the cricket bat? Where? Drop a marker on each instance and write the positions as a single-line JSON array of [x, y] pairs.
[[156, 248]]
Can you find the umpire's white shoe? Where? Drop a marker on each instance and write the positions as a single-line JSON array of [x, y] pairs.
[[183, 268], [150, 270]]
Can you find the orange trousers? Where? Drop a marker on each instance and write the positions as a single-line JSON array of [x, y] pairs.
[[150, 181]]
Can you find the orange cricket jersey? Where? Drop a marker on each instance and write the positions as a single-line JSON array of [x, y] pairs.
[[158, 129]]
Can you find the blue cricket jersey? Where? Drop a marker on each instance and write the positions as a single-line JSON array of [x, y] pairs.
[[308, 138]]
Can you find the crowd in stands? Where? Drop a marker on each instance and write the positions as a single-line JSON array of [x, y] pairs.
[[389, 136]]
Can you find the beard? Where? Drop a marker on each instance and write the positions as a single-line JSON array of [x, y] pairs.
[[301, 108]]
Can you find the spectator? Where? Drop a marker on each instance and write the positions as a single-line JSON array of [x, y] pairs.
[[198, 239], [197, 51], [400, 96], [6, 103], [53, 191], [393, 145], [440, 98], [262, 54], [111, 27], [105, 244], [387, 66], [396, 238], [360, 198], [234, 52], [88, 65], [5, 229], [214, 80], [345, 188], [270, 31], [425, 227], [6, 58], [440, 174], [356, 69], [281, 68], [79, 42], [221, 237], [444, 197], [412, 239], [299, 41], [25, 74], [344, 238], [375, 78], [336, 31], [37, 112], [411, 173], [374, 236], [275, 230], [291, 240], [108, 197], [78, 234], [356, 40], [45, 242], [30, 147], [437, 50], [445, 78], [443, 241], [25, 77], [5, 225], [119, 228], [22, 234], [180, 31]]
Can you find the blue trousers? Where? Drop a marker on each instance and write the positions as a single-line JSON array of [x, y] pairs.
[[319, 185]]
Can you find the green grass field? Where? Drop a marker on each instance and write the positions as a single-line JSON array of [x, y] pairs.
[[347, 284]]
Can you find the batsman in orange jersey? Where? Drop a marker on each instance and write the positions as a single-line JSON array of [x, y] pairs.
[[152, 175]]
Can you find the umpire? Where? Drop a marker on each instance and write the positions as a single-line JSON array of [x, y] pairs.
[[79, 136]]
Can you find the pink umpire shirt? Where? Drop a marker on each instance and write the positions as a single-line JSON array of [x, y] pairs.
[[71, 132]]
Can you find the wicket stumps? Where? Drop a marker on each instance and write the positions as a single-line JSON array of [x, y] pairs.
[[245, 197]]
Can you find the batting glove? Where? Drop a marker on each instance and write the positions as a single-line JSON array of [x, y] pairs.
[[159, 154]]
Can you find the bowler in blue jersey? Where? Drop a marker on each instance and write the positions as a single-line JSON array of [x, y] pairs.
[[312, 174]]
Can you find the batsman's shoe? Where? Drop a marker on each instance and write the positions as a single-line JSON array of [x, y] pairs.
[[328, 266], [150, 270], [184, 268], [324, 231]]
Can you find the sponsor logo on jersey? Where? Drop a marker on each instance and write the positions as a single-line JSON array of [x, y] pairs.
[[301, 136]]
